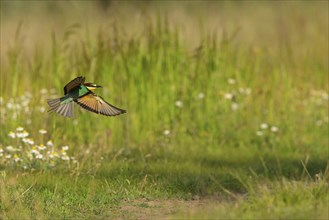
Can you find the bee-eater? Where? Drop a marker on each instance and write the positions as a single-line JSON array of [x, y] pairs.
[[80, 92]]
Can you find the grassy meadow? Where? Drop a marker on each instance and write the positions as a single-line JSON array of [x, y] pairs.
[[227, 110]]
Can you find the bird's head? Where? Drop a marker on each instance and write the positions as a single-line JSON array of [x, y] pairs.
[[92, 86]]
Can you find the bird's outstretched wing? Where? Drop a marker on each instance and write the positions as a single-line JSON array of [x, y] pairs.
[[74, 84], [97, 104]]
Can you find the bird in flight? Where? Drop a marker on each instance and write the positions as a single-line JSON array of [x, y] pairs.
[[80, 92]]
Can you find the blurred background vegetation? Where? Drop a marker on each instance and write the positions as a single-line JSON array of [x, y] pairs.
[[220, 95]]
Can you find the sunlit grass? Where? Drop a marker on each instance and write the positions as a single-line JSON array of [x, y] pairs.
[[240, 117], [282, 199]]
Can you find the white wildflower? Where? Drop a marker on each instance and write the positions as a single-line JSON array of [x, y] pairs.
[[10, 148], [19, 135], [41, 147], [166, 132], [42, 109], [259, 133], [42, 131], [25, 103], [25, 134], [49, 143], [201, 95], [179, 104], [16, 158], [228, 96], [52, 154], [231, 81], [43, 91], [264, 126], [65, 157], [234, 106], [39, 156], [12, 134], [10, 105], [28, 141], [25, 140], [34, 151], [22, 134], [247, 91], [18, 106], [244, 91], [8, 156], [19, 129], [274, 129], [64, 148]]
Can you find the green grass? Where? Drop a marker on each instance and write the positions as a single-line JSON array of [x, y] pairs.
[[196, 96]]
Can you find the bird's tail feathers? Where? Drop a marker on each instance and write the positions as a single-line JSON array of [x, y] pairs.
[[64, 109]]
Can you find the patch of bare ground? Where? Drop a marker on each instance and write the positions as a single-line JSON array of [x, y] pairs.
[[162, 208]]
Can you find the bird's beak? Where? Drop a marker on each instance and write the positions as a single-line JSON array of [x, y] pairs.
[[92, 86]]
